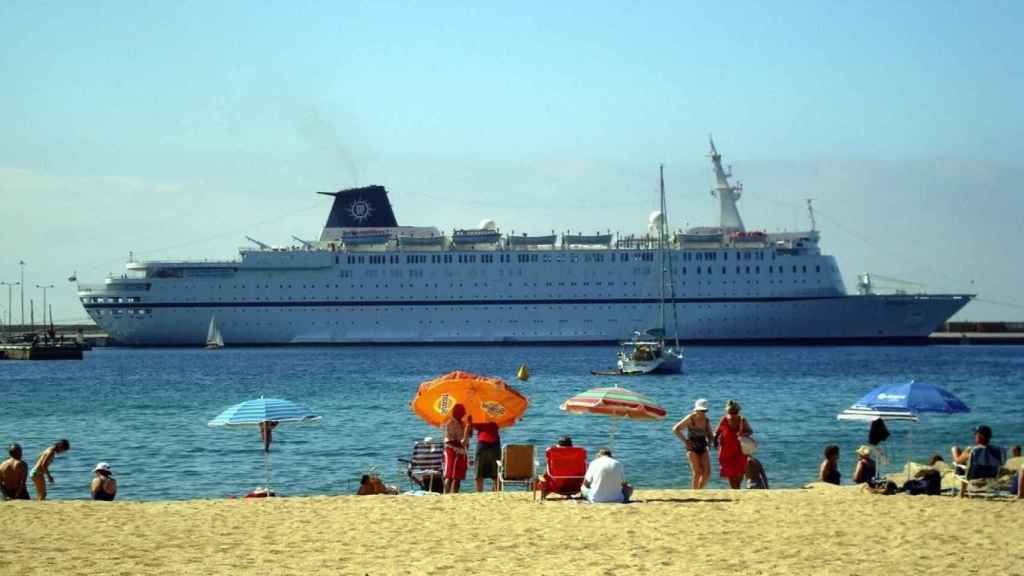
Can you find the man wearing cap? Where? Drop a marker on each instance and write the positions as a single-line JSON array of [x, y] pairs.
[[988, 459], [13, 475], [104, 486]]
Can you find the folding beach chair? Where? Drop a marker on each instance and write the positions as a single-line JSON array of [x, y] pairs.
[[566, 467], [425, 468], [980, 477], [516, 466]]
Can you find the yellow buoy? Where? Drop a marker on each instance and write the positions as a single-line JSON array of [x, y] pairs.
[[523, 373]]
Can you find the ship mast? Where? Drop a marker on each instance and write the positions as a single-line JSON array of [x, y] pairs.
[[727, 193]]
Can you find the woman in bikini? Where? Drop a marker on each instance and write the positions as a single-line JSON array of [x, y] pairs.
[[732, 462], [697, 435], [40, 473]]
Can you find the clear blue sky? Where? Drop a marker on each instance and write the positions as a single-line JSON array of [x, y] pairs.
[[173, 129]]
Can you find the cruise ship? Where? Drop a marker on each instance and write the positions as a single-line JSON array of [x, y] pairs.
[[370, 280]]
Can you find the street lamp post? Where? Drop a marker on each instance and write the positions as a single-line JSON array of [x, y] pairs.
[[45, 288], [22, 264], [10, 286]]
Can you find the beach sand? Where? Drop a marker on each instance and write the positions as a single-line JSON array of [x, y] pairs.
[[822, 530]]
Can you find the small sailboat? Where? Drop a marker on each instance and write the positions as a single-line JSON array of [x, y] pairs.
[[213, 338], [648, 353]]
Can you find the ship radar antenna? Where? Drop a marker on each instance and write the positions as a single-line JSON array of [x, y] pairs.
[[810, 212]]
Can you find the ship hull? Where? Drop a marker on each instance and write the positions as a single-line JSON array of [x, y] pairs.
[[869, 319]]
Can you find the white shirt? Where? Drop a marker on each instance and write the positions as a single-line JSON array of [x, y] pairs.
[[605, 477]]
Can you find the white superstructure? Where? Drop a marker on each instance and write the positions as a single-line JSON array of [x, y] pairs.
[[368, 280]]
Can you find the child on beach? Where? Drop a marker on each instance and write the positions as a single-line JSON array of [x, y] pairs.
[[40, 473], [756, 477]]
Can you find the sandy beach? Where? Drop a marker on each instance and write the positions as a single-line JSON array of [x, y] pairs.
[[822, 530]]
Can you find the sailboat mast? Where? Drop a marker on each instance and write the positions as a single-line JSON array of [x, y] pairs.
[[661, 244], [664, 254]]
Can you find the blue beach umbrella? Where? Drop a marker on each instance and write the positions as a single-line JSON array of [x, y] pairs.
[[252, 413], [904, 402], [915, 397], [255, 412]]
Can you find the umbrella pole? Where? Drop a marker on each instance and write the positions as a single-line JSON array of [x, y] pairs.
[[266, 466]]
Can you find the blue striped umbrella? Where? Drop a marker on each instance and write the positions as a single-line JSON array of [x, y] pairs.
[[255, 412], [260, 410]]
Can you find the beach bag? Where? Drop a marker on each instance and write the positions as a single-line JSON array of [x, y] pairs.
[[748, 445]]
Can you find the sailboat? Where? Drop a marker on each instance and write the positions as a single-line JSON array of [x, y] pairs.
[[213, 337], [648, 353]]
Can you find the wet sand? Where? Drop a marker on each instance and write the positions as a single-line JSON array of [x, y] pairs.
[[823, 530]]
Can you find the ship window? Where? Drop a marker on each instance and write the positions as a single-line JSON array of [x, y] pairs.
[[757, 269], [725, 255], [748, 270], [794, 269], [805, 269], [709, 269], [817, 269], [723, 269], [698, 269], [684, 274]]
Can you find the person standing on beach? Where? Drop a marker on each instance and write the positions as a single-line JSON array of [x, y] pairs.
[[40, 473], [13, 475], [488, 452], [829, 470], [732, 462], [697, 435], [267, 433], [457, 431]]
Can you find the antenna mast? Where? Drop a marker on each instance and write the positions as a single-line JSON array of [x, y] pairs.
[[727, 193]]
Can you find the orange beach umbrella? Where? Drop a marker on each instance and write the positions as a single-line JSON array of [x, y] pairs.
[[485, 399]]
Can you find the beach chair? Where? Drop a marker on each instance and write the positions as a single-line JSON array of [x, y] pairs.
[[566, 467], [517, 466], [425, 468], [980, 476]]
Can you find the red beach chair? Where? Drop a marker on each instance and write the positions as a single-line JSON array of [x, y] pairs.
[[566, 467]]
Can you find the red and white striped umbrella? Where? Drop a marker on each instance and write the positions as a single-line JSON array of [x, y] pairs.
[[615, 401]]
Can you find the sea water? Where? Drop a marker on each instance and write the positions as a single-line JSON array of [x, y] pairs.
[[145, 411]]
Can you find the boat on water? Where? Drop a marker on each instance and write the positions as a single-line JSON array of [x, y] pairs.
[[214, 340], [649, 353], [479, 285]]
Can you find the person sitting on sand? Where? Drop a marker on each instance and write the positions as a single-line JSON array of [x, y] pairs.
[[40, 473], [457, 431], [989, 457], [732, 462], [866, 469], [829, 469], [1015, 451], [104, 485], [696, 439], [605, 480], [13, 474], [755, 474]]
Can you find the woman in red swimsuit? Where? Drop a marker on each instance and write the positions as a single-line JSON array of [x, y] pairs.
[[732, 462]]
